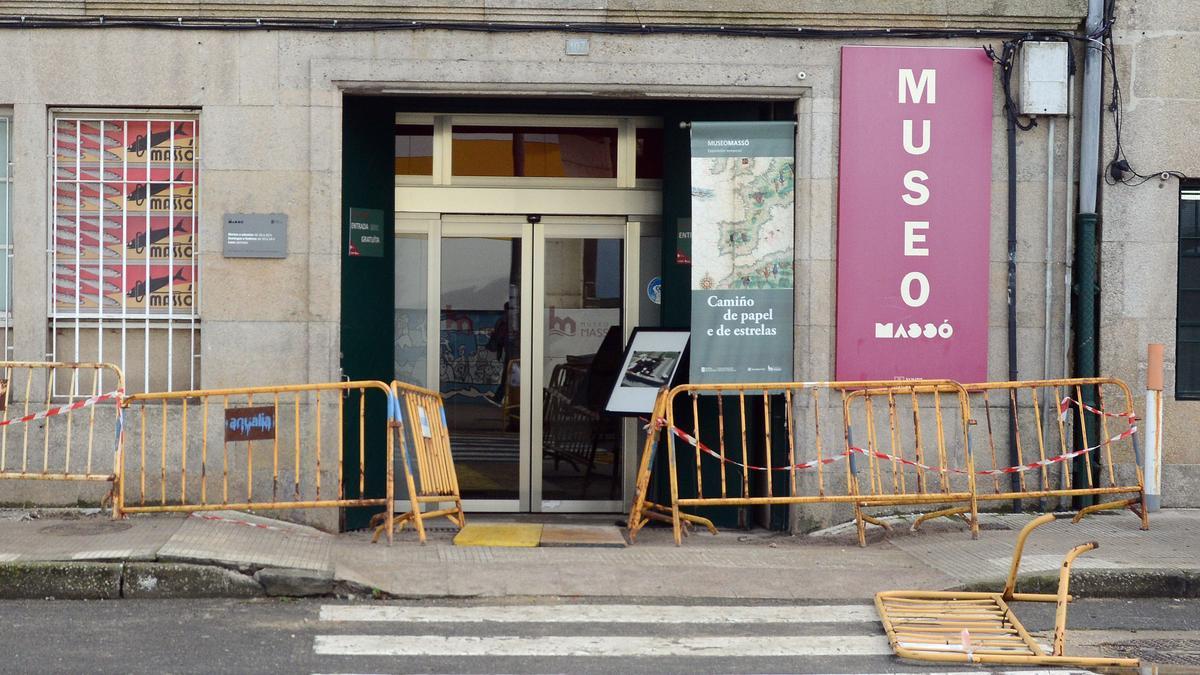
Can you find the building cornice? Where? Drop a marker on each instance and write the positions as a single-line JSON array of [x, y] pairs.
[[1042, 15]]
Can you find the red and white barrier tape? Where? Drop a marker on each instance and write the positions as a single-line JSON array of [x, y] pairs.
[[900, 460], [90, 401], [261, 526], [1064, 407], [690, 440], [1008, 469], [1061, 458]]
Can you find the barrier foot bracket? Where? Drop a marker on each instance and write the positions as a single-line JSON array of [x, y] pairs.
[[951, 513], [1120, 504], [877, 522], [662, 514]]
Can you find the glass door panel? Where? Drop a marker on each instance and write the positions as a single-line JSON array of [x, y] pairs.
[[582, 299], [479, 362], [411, 351]]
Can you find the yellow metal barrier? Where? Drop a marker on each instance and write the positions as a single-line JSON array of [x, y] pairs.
[[823, 423], [967, 627], [915, 451], [1036, 416], [429, 470], [59, 421], [291, 433], [643, 510]]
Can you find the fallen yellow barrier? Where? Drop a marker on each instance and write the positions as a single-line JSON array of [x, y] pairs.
[[973, 627]]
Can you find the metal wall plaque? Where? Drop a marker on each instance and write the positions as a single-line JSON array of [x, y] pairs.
[[255, 423], [255, 235]]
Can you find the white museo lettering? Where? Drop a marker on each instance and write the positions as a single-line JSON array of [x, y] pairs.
[[914, 89], [906, 289], [910, 86], [912, 184], [911, 238], [909, 147]]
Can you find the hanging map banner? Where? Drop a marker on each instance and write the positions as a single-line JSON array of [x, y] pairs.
[[124, 226], [914, 213], [743, 251]]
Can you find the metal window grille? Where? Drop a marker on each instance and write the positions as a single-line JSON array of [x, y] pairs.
[[6, 235], [1187, 341], [124, 254]]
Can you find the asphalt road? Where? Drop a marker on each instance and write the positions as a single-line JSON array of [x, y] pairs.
[[508, 636]]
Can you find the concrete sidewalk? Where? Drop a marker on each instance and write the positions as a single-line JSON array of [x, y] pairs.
[[71, 554]]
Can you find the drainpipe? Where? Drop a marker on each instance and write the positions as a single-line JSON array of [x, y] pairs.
[[1068, 241], [1049, 250], [1086, 264], [1013, 374]]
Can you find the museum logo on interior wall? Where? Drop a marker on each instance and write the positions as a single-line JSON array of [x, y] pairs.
[[914, 207]]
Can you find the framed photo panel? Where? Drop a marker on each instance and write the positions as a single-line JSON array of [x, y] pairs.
[[650, 362]]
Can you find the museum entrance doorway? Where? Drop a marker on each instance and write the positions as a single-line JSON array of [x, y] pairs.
[[519, 322]]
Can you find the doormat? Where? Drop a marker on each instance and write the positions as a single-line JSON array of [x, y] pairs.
[[500, 534], [605, 536]]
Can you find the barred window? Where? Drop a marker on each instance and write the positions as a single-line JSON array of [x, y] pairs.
[[6, 234], [124, 257], [1187, 326]]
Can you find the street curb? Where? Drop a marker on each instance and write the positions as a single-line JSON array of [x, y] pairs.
[[181, 580], [61, 580], [88, 580], [1105, 583]]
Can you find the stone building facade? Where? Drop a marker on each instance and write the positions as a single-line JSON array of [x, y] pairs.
[[279, 105]]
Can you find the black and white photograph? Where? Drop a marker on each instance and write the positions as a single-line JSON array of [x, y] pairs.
[[651, 359], [650, 369]]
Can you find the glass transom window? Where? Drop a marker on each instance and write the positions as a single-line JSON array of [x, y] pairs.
[[540, 152]]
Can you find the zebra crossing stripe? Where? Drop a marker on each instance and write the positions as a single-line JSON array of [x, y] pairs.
[[648, 614], [622, 646]]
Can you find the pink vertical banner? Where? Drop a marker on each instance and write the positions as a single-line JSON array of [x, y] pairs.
[[914, 210]]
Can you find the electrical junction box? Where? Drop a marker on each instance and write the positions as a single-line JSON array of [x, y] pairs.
[[1043, 72]]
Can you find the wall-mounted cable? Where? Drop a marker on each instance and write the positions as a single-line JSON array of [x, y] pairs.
[[1119, 169]]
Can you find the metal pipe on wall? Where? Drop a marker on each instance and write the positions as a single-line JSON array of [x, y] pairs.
[[1089, 141], [1087, 265], [1069, 204], [1049, 246], [1068, 240], [1049, 295], [1014, 458]]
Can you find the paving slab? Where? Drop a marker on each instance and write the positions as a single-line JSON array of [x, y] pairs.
[[242, 540], [94, 538], [1123, 545], [595, 536]]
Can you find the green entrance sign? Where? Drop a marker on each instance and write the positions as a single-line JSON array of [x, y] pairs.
[[366, 233]]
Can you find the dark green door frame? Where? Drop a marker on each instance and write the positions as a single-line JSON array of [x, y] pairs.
[[367, 286]]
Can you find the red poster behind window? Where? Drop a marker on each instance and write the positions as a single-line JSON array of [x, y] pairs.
[[914, 210]]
